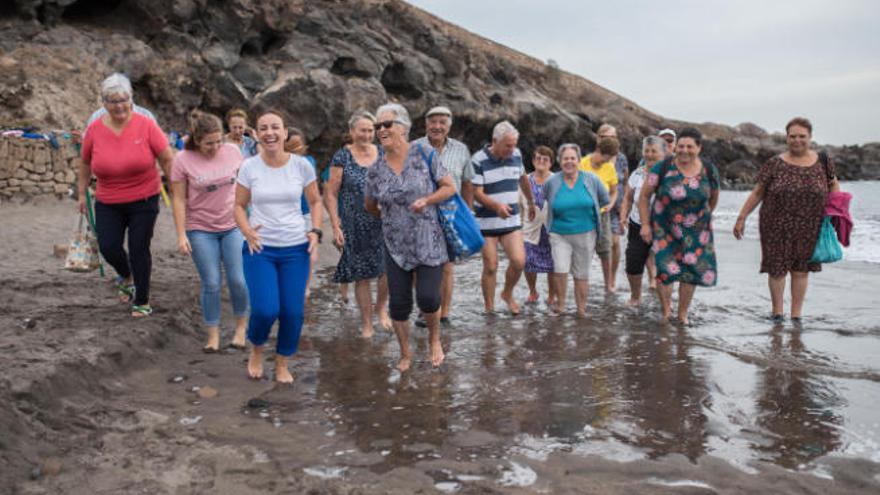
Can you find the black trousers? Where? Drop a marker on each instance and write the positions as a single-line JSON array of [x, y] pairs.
[[637, 250], [138, 218], [400, 288]]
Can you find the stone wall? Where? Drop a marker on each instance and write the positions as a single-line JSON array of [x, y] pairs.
[[31, 167]]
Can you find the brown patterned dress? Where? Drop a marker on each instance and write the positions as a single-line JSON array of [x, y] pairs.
[[791, 214]]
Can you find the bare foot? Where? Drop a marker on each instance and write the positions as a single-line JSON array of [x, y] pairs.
[[385, 320], [367, 331], [255, 363], [581, 313], [282, 374], [404, 363], [511, 304], [666, 317], [238, 339], [533, 297], [634, 302], [213, 344], [437, 355], [683, 320]]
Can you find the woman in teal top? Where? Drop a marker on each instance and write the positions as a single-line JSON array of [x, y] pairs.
[[573, 201]]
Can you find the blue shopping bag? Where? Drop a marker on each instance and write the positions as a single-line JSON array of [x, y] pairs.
[[463, 237], [828, 248]]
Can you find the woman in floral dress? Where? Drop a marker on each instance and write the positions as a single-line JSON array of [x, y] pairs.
[[539, 259], [686, 193]]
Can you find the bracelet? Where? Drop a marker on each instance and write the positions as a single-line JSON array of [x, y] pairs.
[[317, 232]]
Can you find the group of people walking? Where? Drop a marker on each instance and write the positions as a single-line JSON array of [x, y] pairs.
[[247, 202]]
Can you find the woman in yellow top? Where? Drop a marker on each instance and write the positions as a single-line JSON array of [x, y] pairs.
[[601, 163]]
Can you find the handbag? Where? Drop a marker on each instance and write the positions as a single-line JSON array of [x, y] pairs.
[[828, 249], [460, 228], [82, 252]]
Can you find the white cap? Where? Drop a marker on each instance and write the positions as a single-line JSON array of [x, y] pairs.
[[667, 131], [440, 110]]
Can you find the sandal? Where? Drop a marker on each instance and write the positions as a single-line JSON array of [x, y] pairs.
[[141, 311], [124, 291]]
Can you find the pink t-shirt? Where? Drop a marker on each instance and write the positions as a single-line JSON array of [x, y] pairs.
[[125, 165], [210, 187]]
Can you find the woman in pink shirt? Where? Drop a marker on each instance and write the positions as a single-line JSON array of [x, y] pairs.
[[203, 182], [121, 149]]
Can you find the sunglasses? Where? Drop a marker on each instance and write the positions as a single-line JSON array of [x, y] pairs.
[[385, 125], [669, 139]]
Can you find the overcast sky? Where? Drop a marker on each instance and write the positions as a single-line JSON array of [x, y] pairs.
[[761, 61]]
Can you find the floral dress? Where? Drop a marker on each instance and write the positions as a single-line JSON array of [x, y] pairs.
[[363, 255], [681, 221], [539, 259]]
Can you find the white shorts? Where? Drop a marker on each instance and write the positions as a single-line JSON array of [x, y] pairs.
[[573, 253]]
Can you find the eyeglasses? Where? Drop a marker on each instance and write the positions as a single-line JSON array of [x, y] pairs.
[[385, 125], [116, 102], [669, 139]]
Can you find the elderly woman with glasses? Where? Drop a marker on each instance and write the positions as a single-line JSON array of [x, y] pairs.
[[403, 188], [121, 149]]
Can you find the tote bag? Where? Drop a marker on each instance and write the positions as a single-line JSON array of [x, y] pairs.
[[82, 252], [828, 249], [460, 228]]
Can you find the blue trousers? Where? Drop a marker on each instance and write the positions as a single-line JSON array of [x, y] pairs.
[[209, 251], [276, 280]]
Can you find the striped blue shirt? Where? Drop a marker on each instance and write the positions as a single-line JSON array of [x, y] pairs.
[[500, 181]]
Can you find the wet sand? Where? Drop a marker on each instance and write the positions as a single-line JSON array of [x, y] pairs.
[[618, 403]]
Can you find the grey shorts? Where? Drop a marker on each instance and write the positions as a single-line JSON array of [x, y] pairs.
[[573, 253]]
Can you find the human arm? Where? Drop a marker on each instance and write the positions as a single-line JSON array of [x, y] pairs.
[[502, 209], [83, 180], [313, 197], [239, 211], [752, 202], [526, 189], [165, 158], [331, 201], [178, 205], [626, 205], [467, 193], [445, 190], [645, 207]]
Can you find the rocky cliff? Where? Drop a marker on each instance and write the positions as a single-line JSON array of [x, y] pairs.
[[320, 60]]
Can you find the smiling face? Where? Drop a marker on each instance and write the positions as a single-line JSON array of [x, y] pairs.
[[271, 132], [363, 132], [237, 126], [542, 163], [653, 154], [798, 139], [504, 147], [568, 161], [209, 144], [686, 150], [389, 135], [118, 106], [438, 128]]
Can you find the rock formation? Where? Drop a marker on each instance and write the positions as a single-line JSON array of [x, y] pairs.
[[319, 61]]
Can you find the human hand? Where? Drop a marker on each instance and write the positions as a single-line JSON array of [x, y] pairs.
[[183, 245], [252, 236], [531, 211], [81, 203], [419, 205], [338, 237], [646, 234], [739, 228], [313, 246], [503, 210]]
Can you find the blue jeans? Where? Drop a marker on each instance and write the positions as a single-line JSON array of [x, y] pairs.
[[209, 250], [276, 279]]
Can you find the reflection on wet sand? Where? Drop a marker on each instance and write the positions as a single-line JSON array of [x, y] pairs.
[[795, 407]]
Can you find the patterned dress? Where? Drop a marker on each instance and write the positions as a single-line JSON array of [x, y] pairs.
[[363, 255], [538, 256], [681, 221], [791, 214]]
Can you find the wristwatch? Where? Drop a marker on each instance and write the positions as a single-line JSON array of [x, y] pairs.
[[317, 232]]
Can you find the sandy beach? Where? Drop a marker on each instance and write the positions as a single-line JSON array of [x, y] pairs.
[[99, 403]]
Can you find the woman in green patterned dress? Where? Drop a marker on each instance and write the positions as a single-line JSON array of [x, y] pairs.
[[680, 230]]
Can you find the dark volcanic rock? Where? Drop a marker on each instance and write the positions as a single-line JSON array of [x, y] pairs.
[[319, 61]]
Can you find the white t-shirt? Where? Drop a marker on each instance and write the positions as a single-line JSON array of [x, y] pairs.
[[275, 199], [636, 180]]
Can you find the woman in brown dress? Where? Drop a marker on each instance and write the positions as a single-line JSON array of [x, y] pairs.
[[793, 187]]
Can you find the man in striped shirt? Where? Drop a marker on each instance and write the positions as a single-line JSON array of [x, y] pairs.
[[498, 172]]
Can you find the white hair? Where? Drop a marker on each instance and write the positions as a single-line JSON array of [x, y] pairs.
[[503, 129], [116, 84], [654, 141], [568, 146], [357, 116], [401, 116]]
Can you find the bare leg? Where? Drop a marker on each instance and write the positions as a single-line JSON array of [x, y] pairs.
[[635, 289], [446, 289], [343, 293], [615, 260], [581, 288], [382, 303], [560, 281], [433, 321], [401, 328], [532, 281], [255, 362], [516, 256], [490, 269], [213, 343], [551, 290], [652, 272], [238, 339], [777, 293], [282, 372], [665, 293], [365, 304], [606, 272], [799, 282], [685, 296]]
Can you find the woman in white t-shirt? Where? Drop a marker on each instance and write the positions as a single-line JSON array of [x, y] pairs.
[[203, 187], [278, 241], [638, 252]]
